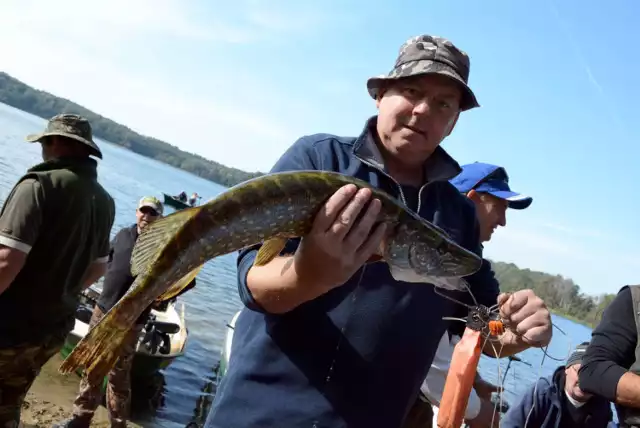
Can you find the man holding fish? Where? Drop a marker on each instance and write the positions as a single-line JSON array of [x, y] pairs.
[[329, 340]]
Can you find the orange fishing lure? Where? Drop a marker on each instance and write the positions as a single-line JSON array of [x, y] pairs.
[[496, 327], [464, 364]]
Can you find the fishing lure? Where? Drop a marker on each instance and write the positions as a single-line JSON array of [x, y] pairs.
[[481, 322]]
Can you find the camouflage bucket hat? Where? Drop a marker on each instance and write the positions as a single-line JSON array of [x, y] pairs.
[[70, 126], [430, 55]]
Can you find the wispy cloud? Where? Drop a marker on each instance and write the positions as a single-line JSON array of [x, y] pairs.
[[582, 61], [118, 59], [555, 248], [590, 232]]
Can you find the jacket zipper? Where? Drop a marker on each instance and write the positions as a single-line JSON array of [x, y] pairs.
[[402, 197]]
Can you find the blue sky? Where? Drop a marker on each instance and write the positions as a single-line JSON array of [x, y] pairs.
[[238, 82]]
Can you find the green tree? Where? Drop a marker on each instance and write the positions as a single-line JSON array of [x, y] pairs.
[[22, 96], [561, 295]]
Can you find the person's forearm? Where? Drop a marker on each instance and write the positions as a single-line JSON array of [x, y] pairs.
[[628, 390], [11, 263], [278, 288], [93, 274]]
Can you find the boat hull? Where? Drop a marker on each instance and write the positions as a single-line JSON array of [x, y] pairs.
[[174, 203], [146, 362]]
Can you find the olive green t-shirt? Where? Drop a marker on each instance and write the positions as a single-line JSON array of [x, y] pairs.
[[22, 218], [61, 217]]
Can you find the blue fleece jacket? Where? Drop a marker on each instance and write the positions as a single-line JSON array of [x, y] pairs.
[[356, 356], [546, 406]]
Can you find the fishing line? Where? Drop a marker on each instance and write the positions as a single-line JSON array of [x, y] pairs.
[[344, 328], [500, 382], [435, 289], [546, 355], [495, 309]]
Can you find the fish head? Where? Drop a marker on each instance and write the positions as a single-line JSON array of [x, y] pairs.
[[417, 251]]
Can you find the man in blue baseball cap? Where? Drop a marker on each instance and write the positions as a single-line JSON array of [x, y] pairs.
[[488, 187]]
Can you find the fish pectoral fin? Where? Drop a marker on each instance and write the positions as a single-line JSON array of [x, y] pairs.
[[156, 236], [378, 255], [269, 251], [375, 258]]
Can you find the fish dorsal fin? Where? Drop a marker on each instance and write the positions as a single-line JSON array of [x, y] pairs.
[[155, 237]]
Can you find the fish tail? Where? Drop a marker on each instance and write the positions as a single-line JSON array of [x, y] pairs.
[[99, 349]]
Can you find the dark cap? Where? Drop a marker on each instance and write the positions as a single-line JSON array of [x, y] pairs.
[[577, 354], [70, 126], [430, 55]]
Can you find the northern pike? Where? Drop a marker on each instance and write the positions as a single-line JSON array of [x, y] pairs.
[[268, 209]]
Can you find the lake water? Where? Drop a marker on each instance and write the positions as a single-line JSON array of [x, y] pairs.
[[184, 391]]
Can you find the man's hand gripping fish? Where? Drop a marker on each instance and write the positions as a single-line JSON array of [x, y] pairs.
[[269, 209]]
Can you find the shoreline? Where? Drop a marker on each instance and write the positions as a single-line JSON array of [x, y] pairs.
[[50, 399]]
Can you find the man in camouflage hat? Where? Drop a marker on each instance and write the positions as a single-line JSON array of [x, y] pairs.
[[326, 340], [54, 241], [72, 129]]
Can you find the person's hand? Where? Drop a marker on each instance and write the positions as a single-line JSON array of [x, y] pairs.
[[487, 418], [527, 316], [338, 245]]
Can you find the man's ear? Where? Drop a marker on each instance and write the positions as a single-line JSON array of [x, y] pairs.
[[381, 91], [473, 195]]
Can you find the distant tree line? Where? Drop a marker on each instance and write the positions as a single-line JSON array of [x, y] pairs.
[[45, 105], [561, 295]]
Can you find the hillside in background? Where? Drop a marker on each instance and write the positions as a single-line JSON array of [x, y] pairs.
[[45, 105], [562, 295]]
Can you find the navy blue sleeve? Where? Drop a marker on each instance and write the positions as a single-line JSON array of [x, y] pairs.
[[534, 405], [611, 350], [300, 156], [114, 243]]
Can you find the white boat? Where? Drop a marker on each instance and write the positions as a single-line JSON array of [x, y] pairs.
[[162, 340], [225, 354]]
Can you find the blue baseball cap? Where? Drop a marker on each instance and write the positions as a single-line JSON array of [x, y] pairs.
[[491, 179]]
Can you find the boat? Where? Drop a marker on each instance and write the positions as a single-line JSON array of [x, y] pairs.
[[162, 340], [175, 203], [225, 354]]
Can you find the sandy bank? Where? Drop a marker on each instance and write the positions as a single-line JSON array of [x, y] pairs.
[[50, 399]]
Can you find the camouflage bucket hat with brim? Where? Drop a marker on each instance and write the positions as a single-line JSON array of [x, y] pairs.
[[429, 55], [70, 126]]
